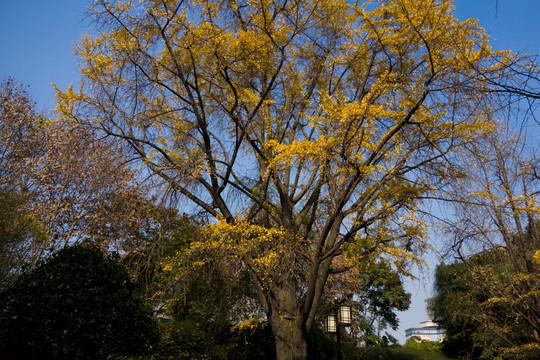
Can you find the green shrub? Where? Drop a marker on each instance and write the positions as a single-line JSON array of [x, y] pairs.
[[79, 304], [397, 353], [433, 346]]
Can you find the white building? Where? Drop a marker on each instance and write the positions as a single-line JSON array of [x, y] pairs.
[[428, 331]]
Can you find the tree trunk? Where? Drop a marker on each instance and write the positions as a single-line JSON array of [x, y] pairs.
[[291, 343], [287, 324]]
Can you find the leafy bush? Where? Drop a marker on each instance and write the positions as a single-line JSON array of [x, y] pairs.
[[79, 304], [397, 353], [185, 340], [425, 345]]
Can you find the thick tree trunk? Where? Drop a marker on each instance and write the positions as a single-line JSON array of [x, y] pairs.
[[291, 343], [287, 324]]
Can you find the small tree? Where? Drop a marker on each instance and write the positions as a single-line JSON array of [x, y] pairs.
[[455, 306], [79, 304], [376, 292], [383, 295]]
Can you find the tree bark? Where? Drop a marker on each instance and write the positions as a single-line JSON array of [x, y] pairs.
[[287, 324], [291, 343]]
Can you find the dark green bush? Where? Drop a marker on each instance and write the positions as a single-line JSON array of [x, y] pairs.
[[185, 340], [79, 304]]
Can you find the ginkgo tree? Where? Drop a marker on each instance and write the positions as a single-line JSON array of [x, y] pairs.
[[304, 129]]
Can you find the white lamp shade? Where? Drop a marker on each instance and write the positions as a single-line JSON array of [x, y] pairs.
[[344, 315], [330, 323]]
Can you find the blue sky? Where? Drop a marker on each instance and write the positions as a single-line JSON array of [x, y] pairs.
[[37, 37], [36, 41]]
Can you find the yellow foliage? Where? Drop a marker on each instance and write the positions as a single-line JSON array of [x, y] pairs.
[[536, 260], [250, 325]]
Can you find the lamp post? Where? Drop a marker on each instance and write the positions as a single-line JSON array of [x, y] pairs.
[[332, 322]]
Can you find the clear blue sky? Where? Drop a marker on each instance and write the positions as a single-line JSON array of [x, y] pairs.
[[36, 44], [36, 48]]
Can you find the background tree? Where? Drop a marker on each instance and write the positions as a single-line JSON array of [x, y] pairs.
[[18, 142], [163, 234], [83, 188], [480, 322], [304, 129], [60, 184], [209, 304], [496, 218], [383, 294], [17, 230], [79, 304], [375, 292], [456, 306]]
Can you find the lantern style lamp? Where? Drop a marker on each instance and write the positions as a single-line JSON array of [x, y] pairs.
[[330, 323], [344, 315]]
